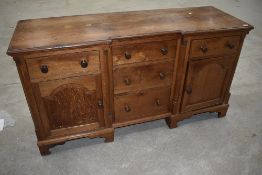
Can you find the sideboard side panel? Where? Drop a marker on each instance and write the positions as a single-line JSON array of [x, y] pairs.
[[40, 128], [234, 68]]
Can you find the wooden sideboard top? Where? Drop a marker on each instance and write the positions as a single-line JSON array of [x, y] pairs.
[[71, 31]]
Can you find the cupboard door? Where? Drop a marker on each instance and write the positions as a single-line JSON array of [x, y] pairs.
[[73, 103], [206, 82]]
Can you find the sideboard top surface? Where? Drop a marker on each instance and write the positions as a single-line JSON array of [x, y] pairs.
[[71, 31]]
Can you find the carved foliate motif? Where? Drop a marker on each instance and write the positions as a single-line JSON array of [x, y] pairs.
[[71, 105]]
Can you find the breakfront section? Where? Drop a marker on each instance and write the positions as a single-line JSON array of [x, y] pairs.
[[68, 91], [142, 71]]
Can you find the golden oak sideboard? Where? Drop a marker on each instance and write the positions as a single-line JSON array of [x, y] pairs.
[[85, 75]]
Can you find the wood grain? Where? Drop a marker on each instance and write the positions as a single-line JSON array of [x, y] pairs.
[[142, 104], [62, 66], [72, 102], [143, 52], [71, 105], [135, 77], [208, 79], [71, 31], [215, 46]]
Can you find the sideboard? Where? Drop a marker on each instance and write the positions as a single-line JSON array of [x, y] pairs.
[[85, 75]]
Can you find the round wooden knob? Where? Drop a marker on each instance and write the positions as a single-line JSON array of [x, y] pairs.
[[164, 51], [83, 63], [100, 103], [140, 93], [158, 102], [127, 55], [203, 49], [162, 76], [188, 89], [127, 81], [44, 69], [127, 108], [230, 45]]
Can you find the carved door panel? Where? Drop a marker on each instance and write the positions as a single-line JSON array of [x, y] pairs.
[[206, 82], [73, 102]]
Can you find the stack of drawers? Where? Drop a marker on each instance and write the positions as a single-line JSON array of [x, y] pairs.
[[142, 74]]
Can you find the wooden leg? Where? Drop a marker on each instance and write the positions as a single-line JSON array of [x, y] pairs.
[[44, 150], [109, 137], [171, 122], [222, 112]]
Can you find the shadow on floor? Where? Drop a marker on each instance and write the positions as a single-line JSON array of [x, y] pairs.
[[124, 131]]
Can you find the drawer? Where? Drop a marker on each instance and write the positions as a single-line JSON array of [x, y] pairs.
[[64, 65], [214, 46], [143, 52], [133, 77], [141, 104]]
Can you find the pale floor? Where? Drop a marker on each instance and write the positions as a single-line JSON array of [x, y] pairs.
[[203, 145]]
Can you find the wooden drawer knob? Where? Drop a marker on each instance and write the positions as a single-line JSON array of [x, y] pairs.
[[188, 89], [127, 108], [204, 49], [127, 55], [162, 76], [83, 63], [164, 51], [127, 81], [44, 69], [100, 104], [230, 45], [140, 93], [158, 102]]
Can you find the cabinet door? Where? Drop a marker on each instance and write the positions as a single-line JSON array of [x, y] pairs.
[[206, 82], [74, 103]]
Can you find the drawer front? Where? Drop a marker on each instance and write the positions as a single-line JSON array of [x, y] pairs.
[[143, 52], [142, 104], [64, 65], [128, 78], [214, 46]]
